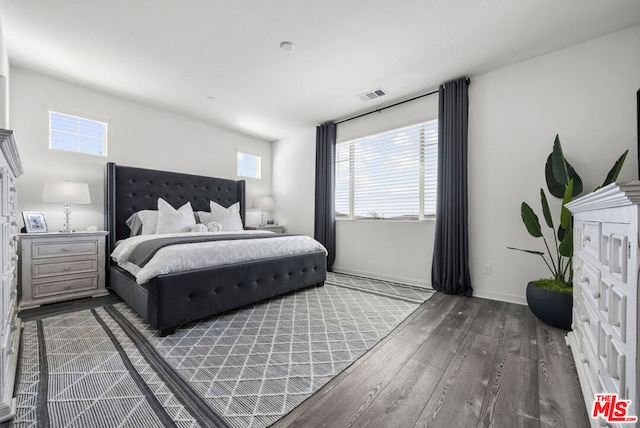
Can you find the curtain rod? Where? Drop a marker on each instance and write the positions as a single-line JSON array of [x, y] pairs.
[[386, 107]]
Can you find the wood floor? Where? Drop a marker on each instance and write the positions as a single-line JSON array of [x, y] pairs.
[[457, 362]]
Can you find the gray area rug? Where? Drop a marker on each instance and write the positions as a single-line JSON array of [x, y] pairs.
[[397, 290], [105, 368]]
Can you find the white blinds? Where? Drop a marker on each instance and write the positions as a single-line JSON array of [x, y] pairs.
[[77, 134], [391, 175]]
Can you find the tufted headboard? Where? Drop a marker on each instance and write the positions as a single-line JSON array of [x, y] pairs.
[[128, 190]]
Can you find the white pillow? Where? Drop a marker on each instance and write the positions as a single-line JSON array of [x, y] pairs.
[[171, 220], [229, 218]]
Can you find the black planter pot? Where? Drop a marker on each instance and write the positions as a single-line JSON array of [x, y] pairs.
[[551, 307]]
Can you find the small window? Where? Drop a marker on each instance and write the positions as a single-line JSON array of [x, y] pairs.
[[77, 134], [248, 165]]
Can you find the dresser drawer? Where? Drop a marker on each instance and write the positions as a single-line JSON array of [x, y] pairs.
[[43, 269], [590, 238], [63, 248], [43, 289], [589, 280]]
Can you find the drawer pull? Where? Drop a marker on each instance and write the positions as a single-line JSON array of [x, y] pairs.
[[584, 360], [585, 280], [14, 326], [12, 188], [12, 350], [596, 294], [14, 223], [586, 238], [585, 319]]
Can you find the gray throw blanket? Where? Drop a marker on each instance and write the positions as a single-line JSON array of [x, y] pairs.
[[144, 251]]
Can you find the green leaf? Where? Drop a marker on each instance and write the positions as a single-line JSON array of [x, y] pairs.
[[559, 164], [537, 253], [557, 189], [566, 246], [565, 214], [545, 209], [530, 220], [612, 176]]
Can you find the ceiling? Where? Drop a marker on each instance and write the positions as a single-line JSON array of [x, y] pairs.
[[176, 54]]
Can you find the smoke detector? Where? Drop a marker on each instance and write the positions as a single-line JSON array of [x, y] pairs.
[[372, 95]]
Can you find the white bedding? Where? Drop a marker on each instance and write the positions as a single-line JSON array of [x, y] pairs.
[[182, 257]]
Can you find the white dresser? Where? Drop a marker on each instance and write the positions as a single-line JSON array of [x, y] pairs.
[[604, 330], [10, 168]]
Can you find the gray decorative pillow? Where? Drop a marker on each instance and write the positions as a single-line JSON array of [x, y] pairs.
[[143, 222]]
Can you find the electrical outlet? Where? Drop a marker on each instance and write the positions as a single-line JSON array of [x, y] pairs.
[[487, 269]]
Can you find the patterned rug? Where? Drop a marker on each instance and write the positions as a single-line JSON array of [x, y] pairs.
[[397, 290], [247, 368]]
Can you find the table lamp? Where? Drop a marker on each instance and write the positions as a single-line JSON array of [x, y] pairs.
[[67, 193], [263, 203]]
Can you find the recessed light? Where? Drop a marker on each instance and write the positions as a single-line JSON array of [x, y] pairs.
[[287, 46]]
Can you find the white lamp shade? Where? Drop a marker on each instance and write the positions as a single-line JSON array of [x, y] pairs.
[[263, 203], [66, 192]]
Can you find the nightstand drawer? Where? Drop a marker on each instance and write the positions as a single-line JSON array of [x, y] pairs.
[[64, 248], [44, 289], [43, 269]]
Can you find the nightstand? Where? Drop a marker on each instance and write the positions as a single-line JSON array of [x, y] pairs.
[[276, 229], [61, 266]]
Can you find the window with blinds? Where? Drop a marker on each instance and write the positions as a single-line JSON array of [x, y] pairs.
[[390, 176], [77, 134]]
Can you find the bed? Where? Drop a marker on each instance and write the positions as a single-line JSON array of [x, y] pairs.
[[169, 300]]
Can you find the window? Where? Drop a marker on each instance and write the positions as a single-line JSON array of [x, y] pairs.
[[389, 176], [249, 165], [77, 134]]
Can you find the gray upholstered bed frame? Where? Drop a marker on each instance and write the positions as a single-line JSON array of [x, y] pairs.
[[168, 301]]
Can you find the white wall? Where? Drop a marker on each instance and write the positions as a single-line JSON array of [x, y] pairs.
[[4, 81], [585, 93], [139, 135]]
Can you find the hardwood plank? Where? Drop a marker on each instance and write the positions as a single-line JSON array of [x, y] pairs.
[[521, 332], [434, 311], [440, 347], [348, 400], [512, 397], [402, 401], [491, 319], [457, 400], [561, 402]]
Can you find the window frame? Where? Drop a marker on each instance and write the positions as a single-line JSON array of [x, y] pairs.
[[421, 217], [78, 118]]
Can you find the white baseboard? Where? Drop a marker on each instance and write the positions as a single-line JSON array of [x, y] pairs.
[[382, 277], [502, 297]]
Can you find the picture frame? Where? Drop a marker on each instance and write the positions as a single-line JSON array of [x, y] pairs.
[[271, 222], [34, 222]]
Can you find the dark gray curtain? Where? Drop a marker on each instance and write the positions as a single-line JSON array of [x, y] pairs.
[[325, 219], [450, 269]]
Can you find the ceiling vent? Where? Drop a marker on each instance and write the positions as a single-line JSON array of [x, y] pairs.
[[372, 95]]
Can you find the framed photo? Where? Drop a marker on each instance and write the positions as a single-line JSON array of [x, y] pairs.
[[34, 222], [271, 222]]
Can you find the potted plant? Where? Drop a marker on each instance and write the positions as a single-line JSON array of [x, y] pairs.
[[551, 299]]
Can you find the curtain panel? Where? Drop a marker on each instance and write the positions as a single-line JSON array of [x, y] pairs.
[[325, 213], [450, 265]]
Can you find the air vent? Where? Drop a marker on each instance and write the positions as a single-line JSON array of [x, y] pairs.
[[372, 95]]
